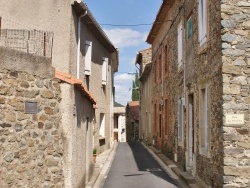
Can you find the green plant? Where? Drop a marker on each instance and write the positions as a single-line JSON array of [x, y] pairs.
[[94, 151]]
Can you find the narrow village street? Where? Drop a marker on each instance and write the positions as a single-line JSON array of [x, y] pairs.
[[135, 94], [134, 166]]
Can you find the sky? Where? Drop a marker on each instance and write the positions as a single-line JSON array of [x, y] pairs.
[[127, 23]]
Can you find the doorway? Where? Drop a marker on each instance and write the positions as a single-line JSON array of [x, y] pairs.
[[191, 145]]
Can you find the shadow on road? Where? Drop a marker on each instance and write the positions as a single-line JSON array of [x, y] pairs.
[[146, 163]]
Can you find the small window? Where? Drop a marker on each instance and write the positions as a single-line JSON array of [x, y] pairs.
[[88, 60], [180, 44], [104, 70], [102, 125], [189, 27], [204, 120], [202, 17], [180, 123]]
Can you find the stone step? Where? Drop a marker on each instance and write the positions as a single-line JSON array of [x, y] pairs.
[[186, 177]]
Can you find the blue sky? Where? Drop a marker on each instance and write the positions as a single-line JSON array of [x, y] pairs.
[[116, 18]]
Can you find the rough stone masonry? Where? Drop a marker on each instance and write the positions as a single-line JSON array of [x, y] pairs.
[[236, 86], [30, 141]]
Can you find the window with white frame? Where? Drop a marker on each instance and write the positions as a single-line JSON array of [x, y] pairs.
[[102, 125], [104, 70], [202, 18], [180, 44], [204, 120], [180, 121], [88, 55]]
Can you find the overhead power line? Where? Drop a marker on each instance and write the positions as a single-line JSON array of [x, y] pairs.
[[131, 25]]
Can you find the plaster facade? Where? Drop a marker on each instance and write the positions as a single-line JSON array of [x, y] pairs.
[[73, 25], [199, 85]]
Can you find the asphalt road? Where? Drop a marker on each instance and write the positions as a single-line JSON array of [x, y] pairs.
[[134, 167]]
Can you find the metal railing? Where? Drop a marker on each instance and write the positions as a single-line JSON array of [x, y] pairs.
[[31, 41]]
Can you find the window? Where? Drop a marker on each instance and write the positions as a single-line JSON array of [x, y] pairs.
[[204, 120], [88, 54], [104, 70], [180, 44], [189, 27], [160, 67], [202, 18], [155, 120], [102, 125], [180, 120], [166, 60], [166, 117], [155, 71]]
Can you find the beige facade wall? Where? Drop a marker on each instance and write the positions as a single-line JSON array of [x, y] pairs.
[[61, 18], [45, 15]]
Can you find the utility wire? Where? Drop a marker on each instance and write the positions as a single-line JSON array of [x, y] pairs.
[[130, 25]]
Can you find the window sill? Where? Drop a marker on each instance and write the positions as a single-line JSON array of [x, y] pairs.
[[102, 138], [203, 48], [180, 68], [204, 152]]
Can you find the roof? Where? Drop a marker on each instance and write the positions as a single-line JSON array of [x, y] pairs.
[[159, 20], [80, 9], [78, 83], [146, 72], [144, 56], [134, 109]]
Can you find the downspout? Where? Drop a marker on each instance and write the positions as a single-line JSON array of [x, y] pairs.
[[139, 105], [79, 43]]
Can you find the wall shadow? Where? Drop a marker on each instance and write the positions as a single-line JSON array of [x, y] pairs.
[[146, 163]]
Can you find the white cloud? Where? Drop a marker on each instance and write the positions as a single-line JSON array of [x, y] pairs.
[[123, 84], [123, 78], [125, 37]]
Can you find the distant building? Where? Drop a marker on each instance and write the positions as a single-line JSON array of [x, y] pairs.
[[132, 121], [119, 123], [143, 59]]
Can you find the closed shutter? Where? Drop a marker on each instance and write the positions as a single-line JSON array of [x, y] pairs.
[[202, 17], [88, 54], [180, 56], [104, 70], [206, 117], [179, 121]]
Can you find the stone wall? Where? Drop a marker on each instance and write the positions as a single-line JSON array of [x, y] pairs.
[[201, 67], [235, 33], [31, 145]]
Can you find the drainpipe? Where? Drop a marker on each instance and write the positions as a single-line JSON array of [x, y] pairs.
[[79, 43], [139, 105]]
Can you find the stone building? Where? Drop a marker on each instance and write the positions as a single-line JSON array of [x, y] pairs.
[[85, 60], [143, 59], [132, 121], [200, 57]]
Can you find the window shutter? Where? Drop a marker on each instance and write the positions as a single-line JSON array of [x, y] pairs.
[[180, 44], [104, 70], [179, 121], [202, 17], [204, 38], [206, 117], [88, 54]]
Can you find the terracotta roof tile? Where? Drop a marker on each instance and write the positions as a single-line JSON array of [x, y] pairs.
[[134, 109], [71, 80]]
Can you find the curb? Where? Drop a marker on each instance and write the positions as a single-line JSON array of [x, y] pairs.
[[103, 169], [182, 179]]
